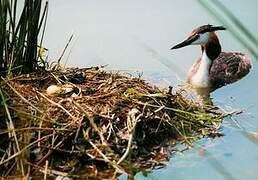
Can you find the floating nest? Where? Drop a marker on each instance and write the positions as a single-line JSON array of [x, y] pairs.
[[93, 123]]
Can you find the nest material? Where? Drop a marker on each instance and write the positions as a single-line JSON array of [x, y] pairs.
[[108, 122]]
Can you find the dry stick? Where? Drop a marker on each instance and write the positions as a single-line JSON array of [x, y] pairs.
[[160, 121], [11, 127], [100, 115], [49, 171], [39, 133], [58, 105], [34, 128], [51, 150], [92, 123], [133, 121], [113, 164], [167, 108], [42, 118], [9, 169], [45, 171], [101, 96], [179, 132], [3, 157], [159, 109], [56, 78], [64, 50], [26, 147], [24, 99]]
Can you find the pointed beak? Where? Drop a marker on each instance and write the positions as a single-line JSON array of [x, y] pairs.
[[187, 42], [217, 28]]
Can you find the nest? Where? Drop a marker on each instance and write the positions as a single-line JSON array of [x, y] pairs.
[[96, 124]]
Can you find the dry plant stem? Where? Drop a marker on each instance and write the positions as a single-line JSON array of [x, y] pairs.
[[39, 118], [28, 171], [58, 105], [10, 169], [24, 99], [51, 150], [159, 109], [49, 171], [25, 148], [35, 128], [101, 115], [11, 128], [56, 78], [101, 96], [167, 108], [114, 177], [92, 123], [3, 157], [113, 164], [64, 50], [131, 119], [39, 133], [181, 134], [45, 171], [111, 98]]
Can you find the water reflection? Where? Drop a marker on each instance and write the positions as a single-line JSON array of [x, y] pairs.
[[104, 32], [204, 95]]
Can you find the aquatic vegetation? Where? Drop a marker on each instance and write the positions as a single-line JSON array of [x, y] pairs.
[[92, 123], [21, 35], [107, 123]]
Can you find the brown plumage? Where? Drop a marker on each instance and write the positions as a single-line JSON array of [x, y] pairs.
[[228, 68], [215, 68]]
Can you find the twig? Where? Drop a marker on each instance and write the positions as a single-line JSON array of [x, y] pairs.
[[23, 149], [24, 99], [58, 105], [51, 171], [56, 78], [52, 149], [92, 123], [167, 108], [35, 128], [64, 50], [11, 128], [132, 121], [113, 164], [46, 169]]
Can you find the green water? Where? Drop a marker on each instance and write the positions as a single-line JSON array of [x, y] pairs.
[[136, 36]]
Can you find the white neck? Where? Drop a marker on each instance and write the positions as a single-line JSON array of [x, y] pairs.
[[201, 78]]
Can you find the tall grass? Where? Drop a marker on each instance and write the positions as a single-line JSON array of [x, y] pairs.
[[22, 25]]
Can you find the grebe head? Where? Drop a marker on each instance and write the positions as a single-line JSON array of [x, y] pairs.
[[199, 36]]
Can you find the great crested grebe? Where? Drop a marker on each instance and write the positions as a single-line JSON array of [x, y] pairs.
[[214, 68]]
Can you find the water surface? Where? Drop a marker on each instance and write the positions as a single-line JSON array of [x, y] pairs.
[[136, 36]]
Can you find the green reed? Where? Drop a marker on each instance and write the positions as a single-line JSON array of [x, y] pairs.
[[22, 26]]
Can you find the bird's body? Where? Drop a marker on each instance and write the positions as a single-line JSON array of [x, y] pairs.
[[227, 68], [214, 68]]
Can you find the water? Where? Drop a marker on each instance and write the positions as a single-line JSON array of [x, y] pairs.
[[136, 36]]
